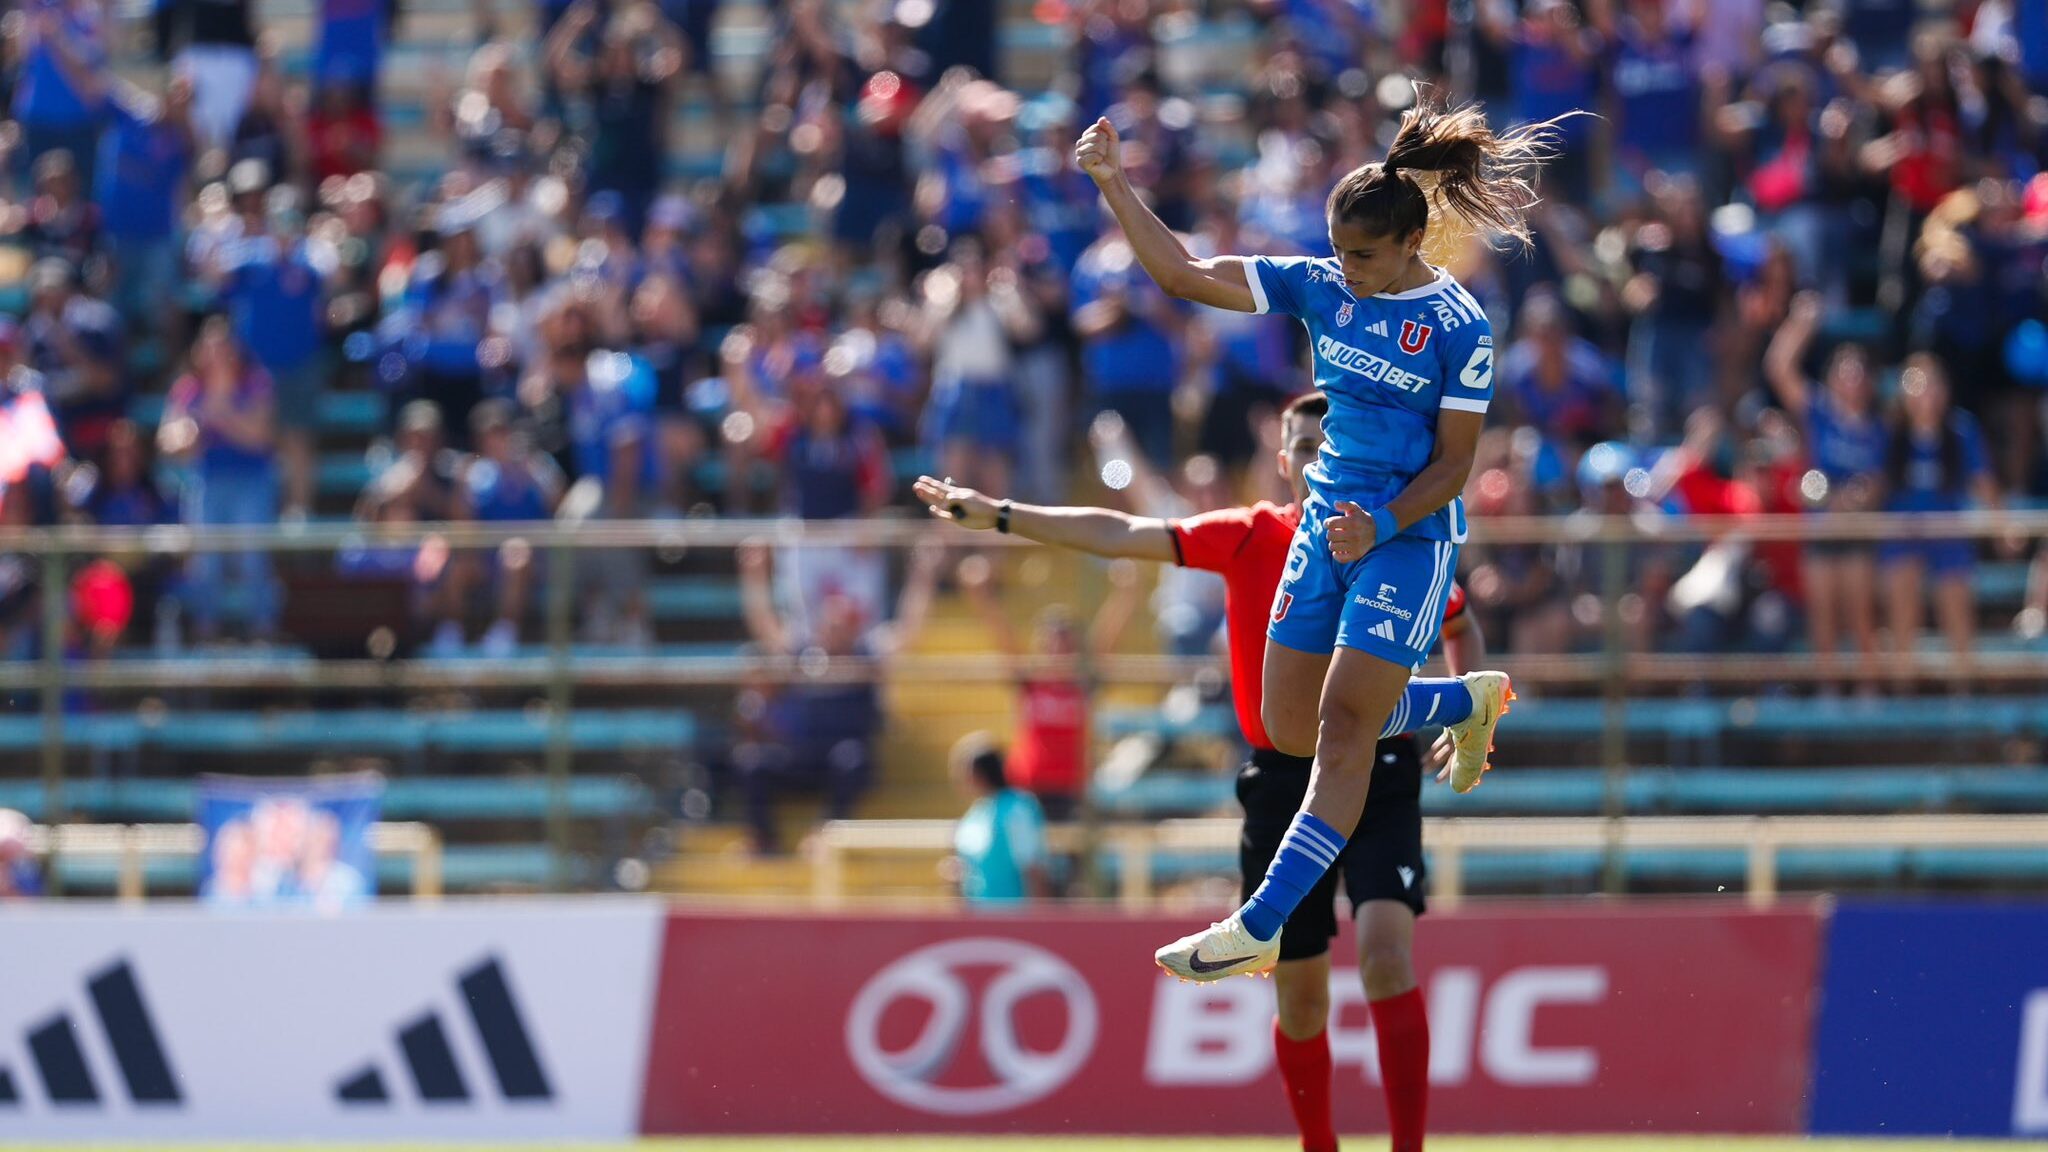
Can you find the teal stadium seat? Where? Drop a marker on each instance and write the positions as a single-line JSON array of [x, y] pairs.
[[434, 799], [378, 731], [464, 867]]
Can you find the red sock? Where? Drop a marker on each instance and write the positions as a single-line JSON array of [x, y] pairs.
[[1305, 1069], [1403, 1031]]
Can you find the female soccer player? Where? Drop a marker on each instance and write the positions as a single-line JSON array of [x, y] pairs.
[[1406, 357]]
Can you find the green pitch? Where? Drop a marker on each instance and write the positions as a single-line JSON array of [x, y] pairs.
[[1176, 1144]]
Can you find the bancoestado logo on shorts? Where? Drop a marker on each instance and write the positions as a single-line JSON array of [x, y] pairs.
[[936, 975], [1383, 600], [1360, 362]]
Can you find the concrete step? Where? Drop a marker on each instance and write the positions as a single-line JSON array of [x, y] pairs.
[[734, 874]]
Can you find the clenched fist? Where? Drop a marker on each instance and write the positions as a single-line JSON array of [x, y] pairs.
[[1096, 152], [1350, 533]]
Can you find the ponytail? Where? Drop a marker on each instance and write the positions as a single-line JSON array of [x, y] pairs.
[[1451, 160]]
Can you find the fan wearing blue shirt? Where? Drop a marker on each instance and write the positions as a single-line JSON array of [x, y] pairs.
[[1405, 356], [1126, 329], [139, 184], [273, 284], [60, 95], [1936, 464], [1656, 79]]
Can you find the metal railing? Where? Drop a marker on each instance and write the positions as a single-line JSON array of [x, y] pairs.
[[1613, 672], [1450, 842], [133, 846]]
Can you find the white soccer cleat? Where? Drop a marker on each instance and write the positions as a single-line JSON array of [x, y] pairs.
[[1226, 948], [1472, 738]]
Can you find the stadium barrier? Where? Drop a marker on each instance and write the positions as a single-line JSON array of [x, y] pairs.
[[1136, 847], [462, 1020], [1934, 1020], [601, 1019], [1649, 1017], [131, 847]]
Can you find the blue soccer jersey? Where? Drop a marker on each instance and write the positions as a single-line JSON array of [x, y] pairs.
[[1389, 363]]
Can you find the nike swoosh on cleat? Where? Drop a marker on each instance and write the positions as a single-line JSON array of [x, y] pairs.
[[1197, 964]]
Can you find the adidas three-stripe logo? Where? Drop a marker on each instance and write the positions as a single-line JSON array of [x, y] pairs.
[[1385, 631], [131, 1035], [1378, 328], [428, 1057]]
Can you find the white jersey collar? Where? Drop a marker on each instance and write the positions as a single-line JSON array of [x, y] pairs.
[[1443, 279]]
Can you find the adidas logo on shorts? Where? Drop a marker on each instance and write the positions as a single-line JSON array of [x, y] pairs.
[[1385, 631]]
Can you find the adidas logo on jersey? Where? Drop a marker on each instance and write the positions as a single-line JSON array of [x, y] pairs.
[[1385, 631], [1378, 328]]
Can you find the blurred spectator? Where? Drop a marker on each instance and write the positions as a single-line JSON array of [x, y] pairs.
[[664, 337], [221, 417], [343, 131], [492, 113], [213, 44], [974, 315], [999, 843], [144, 157], [348, 55], [74, 341], [273, 284], [425, 576], [1674, 297], [123, 492], [20, 879], [1128, 331], [58, 50], [1845, 439], [1737, 595], [20, 575], [506, 482], [61, 224], [1049, 753], [1936, 462], [421, 442], [592, 405], [272, 126], [1188, 603], [617, 102], [1556, 57], [1658, 98], [1558, 383], [442, 319], [1249, 363], [819, 736], [28, 430]]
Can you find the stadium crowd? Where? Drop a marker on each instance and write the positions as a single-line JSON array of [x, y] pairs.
[[1795, 264]]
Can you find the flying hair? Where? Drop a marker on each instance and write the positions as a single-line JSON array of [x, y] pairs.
[[1448, 171]]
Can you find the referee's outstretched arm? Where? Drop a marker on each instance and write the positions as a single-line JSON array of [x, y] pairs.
[[1099, 531]]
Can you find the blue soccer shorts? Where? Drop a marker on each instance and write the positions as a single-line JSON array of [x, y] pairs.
[[1388, 604]]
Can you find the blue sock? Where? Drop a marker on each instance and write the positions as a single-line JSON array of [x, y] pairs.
[[1429, 700], [1306, 852]]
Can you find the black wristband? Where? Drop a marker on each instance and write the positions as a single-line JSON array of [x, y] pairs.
[[1003, 518]]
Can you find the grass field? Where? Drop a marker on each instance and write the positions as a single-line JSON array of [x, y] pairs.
[[1149, 1144]]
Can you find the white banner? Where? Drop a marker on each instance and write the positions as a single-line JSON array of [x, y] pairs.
[[520, 1019]]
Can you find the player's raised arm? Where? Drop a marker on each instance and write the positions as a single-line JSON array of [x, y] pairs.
[[1099, 531], [1222, 282]]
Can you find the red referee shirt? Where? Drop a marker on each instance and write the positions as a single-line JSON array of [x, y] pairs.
[[1248, 546]]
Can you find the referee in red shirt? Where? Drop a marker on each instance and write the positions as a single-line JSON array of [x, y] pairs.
[[1382, 864]]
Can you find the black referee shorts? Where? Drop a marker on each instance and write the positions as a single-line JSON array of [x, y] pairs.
[[1381, 861]]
